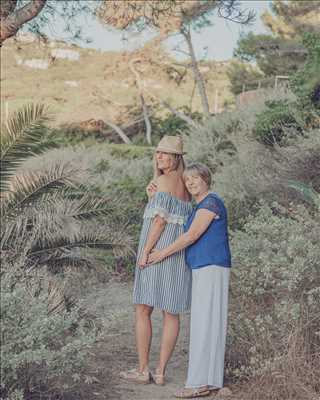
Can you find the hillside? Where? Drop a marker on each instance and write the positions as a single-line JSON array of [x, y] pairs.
[[99, 85]]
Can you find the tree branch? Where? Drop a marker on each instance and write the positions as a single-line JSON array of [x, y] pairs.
[[179, 114], [12, 22], [119, 131], [7, 7]]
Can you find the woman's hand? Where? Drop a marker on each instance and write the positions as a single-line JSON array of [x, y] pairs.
[[156, 256], [151, 189], [143, 261]]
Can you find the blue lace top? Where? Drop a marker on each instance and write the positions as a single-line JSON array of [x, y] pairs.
[[212, 248]]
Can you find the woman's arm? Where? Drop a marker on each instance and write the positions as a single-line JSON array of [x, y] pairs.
[[157, 227], [158, 224], [200, 224]]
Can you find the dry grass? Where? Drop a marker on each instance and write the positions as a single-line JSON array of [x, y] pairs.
[[105, 84], [295, 375]]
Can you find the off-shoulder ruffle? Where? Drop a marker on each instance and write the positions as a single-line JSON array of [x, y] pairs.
[[170, 218], [173, 210]]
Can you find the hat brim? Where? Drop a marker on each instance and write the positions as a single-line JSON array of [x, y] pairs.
[[170, 151]]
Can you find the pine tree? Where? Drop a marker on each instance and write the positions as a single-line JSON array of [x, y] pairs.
[[171, 17], [290, 19]]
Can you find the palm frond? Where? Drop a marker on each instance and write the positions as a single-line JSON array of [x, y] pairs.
[[59, 247], [22, 137], [26, 188], [14, 232], [50, 214], [82, 207]]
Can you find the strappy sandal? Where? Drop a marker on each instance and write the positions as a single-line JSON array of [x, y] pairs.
[[190, 393], [133, 375], [158, 379]]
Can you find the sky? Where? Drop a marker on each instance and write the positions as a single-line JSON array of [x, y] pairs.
[[216, 42]]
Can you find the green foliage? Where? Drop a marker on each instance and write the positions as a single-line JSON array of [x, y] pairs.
[[40, 344], [127, 185], [277, 123], [171, 123], [129, 152], [48, 220], [68, 13], [22, 136], [132, 193], [282, 52], [73, 135], [306, 82], [273, 55], [274, 288], [41, 212], [244, 77], [284, 119], [210, 143]]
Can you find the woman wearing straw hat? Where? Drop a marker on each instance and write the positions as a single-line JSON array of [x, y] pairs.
[[165, 285]]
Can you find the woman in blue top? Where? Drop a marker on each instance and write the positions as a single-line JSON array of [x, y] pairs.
[[208, 255]]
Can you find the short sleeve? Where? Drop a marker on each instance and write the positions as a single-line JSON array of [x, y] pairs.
[[212, 204]]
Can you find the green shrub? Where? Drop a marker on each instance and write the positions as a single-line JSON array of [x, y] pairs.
[[284, 118], [277, 123], [129, 152], [243, 76], [171, 124], [73, 134], [41, 343], [275, 292], [306, 83], [211, 142]]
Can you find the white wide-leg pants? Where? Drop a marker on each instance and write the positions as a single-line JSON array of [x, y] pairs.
[[209, 309]]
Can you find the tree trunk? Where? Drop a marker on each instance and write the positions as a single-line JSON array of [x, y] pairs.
[[143, 103], [11, 20], [146, 120], [197, 74]]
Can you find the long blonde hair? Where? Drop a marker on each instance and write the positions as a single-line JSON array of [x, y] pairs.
[[179, 165]]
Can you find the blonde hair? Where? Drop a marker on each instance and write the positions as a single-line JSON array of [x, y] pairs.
[[200, 170], [179, 165]]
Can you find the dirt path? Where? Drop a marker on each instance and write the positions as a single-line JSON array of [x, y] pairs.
[[116, 350]]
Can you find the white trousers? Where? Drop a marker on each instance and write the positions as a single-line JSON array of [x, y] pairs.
[[209, 309]]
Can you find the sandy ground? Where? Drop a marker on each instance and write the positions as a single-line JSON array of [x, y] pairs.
[[111, 302], [115, 351]]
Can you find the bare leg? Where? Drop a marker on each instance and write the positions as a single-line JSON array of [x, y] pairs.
[[170, 333], [143, 334]]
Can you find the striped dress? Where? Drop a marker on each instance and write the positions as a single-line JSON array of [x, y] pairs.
[[165, 285]]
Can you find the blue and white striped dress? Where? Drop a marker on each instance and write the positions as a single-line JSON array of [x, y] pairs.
[[165, 285]]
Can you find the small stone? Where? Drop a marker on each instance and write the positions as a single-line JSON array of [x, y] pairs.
[[224, 392]]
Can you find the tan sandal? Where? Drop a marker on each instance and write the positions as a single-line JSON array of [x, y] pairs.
[[190, 393], [158, 379], [133, 375]]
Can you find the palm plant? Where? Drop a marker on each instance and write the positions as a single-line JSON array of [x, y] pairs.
[[42, 216]]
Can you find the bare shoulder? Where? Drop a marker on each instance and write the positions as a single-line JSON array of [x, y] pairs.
[[163, 183]]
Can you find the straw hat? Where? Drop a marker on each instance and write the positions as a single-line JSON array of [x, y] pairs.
[[171, 144]]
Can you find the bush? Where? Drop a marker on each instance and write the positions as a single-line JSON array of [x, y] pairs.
[[306, 83], [277, 123], [275, 294], [42, 343], [243, 77], [171, 124], [284, 119], [211, 143]]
